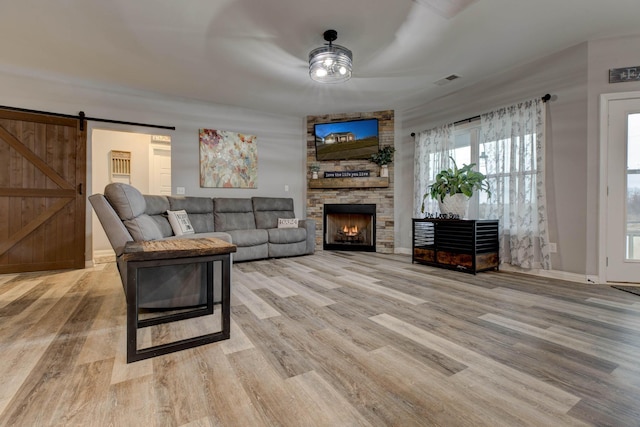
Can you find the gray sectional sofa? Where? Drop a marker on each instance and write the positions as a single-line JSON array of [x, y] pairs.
[[249, 223]]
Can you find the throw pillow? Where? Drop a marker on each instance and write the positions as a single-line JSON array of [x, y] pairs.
[[180, 223], [287, 223]]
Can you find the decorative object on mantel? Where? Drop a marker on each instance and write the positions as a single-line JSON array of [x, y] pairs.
[[382, 158], [453, 188], [625, 74], [314, 168], [347, 174]]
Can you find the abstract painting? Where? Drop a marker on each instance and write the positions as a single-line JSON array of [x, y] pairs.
[[228, 159]]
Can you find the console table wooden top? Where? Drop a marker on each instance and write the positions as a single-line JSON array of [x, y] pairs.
[[176, 248]]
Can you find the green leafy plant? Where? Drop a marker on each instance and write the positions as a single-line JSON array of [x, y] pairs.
[[384, 156], [314, 167], [457, 180]]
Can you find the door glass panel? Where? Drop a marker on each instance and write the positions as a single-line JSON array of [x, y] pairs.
[[633, 188]]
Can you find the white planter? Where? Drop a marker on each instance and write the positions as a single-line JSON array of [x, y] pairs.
[[458, 204], [314, 175], [384, 171]]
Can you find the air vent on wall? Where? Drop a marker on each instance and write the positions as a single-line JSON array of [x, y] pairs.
[[445, 80]]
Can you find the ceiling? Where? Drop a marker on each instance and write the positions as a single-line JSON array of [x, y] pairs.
[[254, 53]]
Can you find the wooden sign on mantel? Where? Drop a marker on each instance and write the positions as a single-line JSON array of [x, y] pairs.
[[347, 174], [625, 74]]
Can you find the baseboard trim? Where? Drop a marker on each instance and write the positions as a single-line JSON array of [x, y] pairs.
[[551, 274], [402, 251], [103, 255]]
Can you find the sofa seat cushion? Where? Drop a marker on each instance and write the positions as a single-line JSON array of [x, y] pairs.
[[251, 253], [233, 214], [242, 238], [199, 210], [289, 249], [287, 235], [130, 206]]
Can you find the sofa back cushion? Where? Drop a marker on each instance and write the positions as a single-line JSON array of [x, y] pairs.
[[268, 210], [130, 206], [199, 210], [233, 214], [157, 207]]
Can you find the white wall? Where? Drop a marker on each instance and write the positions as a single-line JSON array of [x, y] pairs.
[[102, 142], [281, 139]]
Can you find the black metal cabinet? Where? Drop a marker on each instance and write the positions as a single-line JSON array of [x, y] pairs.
[[467, 245]]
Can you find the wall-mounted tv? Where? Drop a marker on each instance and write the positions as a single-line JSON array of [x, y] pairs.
[[354, 139]]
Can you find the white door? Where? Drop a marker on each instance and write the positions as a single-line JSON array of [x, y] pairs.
[[160, 171], [623, 184]]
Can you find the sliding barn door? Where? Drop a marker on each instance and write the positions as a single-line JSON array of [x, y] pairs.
[[42, 201]]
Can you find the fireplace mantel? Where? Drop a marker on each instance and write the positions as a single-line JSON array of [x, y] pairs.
[[360, 182]]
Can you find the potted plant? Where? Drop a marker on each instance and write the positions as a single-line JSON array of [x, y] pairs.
[[314, 167], [454, 186], [382, 158]]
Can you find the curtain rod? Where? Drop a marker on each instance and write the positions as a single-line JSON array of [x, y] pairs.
[[82, 117], [545, 98]]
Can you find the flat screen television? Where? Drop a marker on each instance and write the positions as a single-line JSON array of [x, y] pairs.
[[348, 140]]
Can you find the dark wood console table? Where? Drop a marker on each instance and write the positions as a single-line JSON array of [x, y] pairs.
[[459, 244], [159, 253]]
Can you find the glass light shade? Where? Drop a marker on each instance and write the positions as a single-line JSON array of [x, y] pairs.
[[330, 64]]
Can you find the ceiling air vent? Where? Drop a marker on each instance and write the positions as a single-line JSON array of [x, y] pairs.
[[443, 81]]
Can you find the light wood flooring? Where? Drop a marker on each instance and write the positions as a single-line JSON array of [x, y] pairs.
[[331, 339]]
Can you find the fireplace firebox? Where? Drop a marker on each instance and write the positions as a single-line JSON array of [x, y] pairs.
[[349, 227]]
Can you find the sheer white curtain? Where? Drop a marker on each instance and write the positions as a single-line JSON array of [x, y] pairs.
[[512, 145], [511, 153], [433, 148]]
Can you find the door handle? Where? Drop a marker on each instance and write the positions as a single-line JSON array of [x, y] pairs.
[[80, 188]]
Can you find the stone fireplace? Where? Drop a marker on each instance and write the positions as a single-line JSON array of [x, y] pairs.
[[349, 227], [372, 190]]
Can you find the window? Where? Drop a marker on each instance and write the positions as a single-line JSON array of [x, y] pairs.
[[507, 146]]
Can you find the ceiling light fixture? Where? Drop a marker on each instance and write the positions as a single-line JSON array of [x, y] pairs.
[[330, 63]]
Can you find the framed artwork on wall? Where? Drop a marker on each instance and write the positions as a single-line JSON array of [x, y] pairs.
[[228, 159]]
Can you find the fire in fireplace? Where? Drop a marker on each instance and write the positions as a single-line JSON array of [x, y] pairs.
[[350, 227]]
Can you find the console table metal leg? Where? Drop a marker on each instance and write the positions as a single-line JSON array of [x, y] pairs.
[[133, 310]]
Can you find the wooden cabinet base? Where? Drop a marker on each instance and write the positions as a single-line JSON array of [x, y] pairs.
[[465, 245]]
